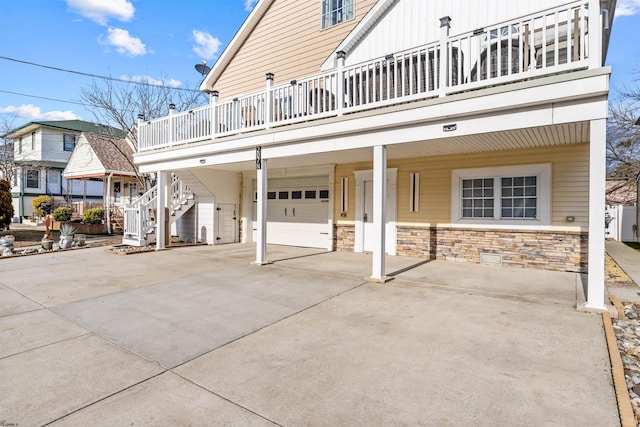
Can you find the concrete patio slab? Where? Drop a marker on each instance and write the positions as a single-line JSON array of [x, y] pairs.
[[47, 383], [12, 302], [504, 282], [403, 355], [26, 331], [185, 317], [165, 400], [73, 276]]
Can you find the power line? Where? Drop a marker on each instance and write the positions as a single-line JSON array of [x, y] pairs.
[[97, 76], [41, 97]]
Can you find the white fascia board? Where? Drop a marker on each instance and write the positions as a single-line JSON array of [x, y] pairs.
[[496, 111], [97, 172]]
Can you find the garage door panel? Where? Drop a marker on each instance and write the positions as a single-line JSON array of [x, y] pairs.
[[298, 212]]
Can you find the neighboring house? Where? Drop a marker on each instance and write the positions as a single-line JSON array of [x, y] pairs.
[[457, 130], [41, 151], [107, 160]]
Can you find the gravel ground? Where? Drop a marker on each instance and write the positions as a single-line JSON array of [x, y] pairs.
[[628, 338]]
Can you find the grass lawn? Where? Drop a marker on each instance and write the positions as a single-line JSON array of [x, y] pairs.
[[633, 245]]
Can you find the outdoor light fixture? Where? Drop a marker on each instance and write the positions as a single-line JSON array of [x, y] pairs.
[[270, 76]]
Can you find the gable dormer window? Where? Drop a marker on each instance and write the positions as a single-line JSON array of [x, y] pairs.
[[69, 142], [336, 11]]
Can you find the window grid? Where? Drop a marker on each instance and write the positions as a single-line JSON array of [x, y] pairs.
[[519, 197], [336, 11], [477, 198], [33, 178]]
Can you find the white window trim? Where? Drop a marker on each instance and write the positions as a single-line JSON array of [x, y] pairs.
[[542, 171], [26, 179]]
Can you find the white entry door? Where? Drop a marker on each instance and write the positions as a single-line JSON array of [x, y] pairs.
[[226, 223], [364, 228]]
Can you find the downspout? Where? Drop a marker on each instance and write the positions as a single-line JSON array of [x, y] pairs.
[[108, 204]]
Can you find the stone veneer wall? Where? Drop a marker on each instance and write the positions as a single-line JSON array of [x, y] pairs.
[[547, 250], [344, 237]]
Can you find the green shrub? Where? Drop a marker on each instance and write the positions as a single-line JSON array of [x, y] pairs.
[[40, 203], [93, 216], [6, 207], [62, 213]]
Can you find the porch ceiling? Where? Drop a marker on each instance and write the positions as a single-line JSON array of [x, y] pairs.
[[570, 133]]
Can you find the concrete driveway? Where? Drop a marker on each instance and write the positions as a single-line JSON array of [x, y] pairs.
[[198, 336]]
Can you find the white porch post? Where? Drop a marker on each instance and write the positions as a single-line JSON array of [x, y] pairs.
[[597, 178], [172, 124], [261, 184], [161, 184], [379, 211]]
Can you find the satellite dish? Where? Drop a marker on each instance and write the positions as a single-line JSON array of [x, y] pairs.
[[203, 68]]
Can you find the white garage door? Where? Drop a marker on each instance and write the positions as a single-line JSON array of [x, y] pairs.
[[298, 212]]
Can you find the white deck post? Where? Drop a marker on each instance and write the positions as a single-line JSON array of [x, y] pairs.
[[340, 96], [214, 113], [172, 124], [261, 184], [379, 211], [595, 34], [445, 24], [268, 99], [597, 178], [161, 184]]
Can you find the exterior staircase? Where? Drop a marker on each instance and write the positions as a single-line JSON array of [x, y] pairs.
[[139, 216]]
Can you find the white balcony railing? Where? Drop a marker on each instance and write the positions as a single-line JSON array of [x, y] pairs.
[[548, 42]]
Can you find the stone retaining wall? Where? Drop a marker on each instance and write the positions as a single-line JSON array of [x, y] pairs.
[[548, 250]]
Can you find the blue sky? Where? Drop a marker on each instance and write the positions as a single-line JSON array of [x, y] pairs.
[[153, 40]]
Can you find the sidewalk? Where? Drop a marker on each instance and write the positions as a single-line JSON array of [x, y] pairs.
[[628, 259]]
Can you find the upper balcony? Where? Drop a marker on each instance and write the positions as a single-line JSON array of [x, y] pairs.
[[549, 42]]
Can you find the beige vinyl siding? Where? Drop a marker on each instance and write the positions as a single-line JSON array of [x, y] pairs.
[[569, 182], [288, 42]]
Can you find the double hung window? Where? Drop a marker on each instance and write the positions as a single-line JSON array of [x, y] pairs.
[[511, 195]]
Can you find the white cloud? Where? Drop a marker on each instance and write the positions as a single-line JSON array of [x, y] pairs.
[[152, 81], [100, 11], [124, 42], [207, 46], [248, 4], [627, 8], [31, 112]]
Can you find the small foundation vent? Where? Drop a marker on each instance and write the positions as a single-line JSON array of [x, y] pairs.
[[491, 259]]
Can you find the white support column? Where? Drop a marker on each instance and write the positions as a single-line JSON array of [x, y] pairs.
[[379, 213], [261, 184], [161, 198], [597, 177]]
